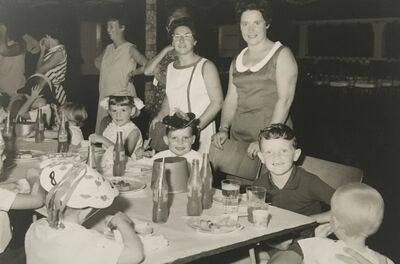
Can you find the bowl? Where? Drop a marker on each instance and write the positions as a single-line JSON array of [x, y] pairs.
[[176, 173], [24, 129]]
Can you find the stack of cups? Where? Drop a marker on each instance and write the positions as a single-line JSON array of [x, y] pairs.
[[257, 209]]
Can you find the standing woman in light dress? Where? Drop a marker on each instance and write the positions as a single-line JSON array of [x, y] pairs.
[[262, 80], [192, 83]]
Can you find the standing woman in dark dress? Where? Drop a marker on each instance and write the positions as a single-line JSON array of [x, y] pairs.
[[262, 80]]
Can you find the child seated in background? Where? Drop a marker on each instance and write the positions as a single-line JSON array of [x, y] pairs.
[[74, 192], [36, 93], [357, 213], [121, 109], [75, 114], [181, 129], [290, 187]]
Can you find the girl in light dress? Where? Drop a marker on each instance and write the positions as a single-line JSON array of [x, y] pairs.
[[121, 109]]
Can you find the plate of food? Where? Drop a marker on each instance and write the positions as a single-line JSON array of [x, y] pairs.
[[125, 185], [214, 226], [28, 155]]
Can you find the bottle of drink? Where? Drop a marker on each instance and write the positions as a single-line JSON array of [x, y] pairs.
[[91, 161], [160, 197], [119, 156], [194, 205], [39, 127], [206, 177], [8, 130], [63, 144]]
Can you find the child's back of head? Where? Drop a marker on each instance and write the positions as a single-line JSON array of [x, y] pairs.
[[357, 210], [74, 112]]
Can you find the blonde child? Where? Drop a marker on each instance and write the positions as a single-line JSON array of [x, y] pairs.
[[357, 213], [75, 192], [181, 130], [121, 108], [75, 114]]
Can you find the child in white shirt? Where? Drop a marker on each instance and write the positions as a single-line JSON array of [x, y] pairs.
[[121, 109], [74, 191], [356, 213], [181, 129]]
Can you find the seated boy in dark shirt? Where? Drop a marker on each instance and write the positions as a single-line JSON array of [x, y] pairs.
[[288, 186]]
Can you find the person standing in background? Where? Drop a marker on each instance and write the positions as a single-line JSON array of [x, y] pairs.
[[12, 59], [117, 65], [262, 80]]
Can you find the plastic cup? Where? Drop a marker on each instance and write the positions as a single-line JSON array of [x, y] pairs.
[[255, 200], [261, 217]]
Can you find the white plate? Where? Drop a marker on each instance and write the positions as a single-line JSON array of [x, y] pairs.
[[125, 185], [30, 155], [213, 226]]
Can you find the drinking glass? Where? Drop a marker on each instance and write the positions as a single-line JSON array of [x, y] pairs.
[[262, 217], [230, 193], [255, 200]]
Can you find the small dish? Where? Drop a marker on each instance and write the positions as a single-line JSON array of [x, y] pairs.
[[125, 185], [28, 155], [214, 226]]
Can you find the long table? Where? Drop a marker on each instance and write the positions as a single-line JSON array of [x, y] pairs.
[[187, 244]]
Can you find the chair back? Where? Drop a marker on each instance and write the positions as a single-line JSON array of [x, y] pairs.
[[332, 173]]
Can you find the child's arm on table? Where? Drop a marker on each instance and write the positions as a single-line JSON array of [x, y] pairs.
[[95, 138], [133, 248], [322, 217], [37, 196]]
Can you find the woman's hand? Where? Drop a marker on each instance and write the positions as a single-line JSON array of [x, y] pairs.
[[323, 230], [355, 258], [253, 149], [42, 44], [118, 219], [219, 139], [36, 92]]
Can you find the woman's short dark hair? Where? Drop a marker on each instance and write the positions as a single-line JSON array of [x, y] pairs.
[[264, 6], [184, 21]]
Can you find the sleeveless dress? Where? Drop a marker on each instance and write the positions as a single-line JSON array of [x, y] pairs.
[[177, 92], [56, 75], [257, 95], [110, 132], [116, 65]]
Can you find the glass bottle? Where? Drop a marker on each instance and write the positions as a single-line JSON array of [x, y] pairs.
[[39, 127], [63, 144], [8, 130], [91, 159], [194, 204], [160, 197], [119, 156], [206, 177]]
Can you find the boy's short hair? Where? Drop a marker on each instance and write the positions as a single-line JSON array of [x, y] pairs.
[[276, 131], [121, 18], [180, 120], [122, 100], [74, 112], [358, 208]]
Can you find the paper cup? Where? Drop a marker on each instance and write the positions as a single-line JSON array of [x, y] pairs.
[[261, 217]]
